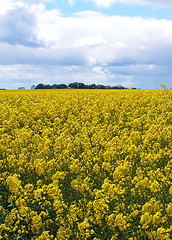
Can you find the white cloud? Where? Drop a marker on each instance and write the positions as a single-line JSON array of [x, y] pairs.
[[30, 1], [104, 48], [104, 3], [40, 56], [71, 2], [91, 42], [118, 45], [87, 38], [18, 26], [12, 4], [108, 3], [152, 67], [106, 40], [4, 6], [8, 4], [100, 70]]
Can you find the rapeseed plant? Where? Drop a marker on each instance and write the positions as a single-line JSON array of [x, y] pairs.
[[86, 164]]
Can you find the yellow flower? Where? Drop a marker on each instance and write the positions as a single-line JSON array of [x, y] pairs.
[[36, 224], [14, 184], [29, 187], [106, 166], [157, 218], [170, 191], [162, 234], [155, 187], [111, 221], [145, 220], [44, 236], [169, 209], [80, 164], [96, 168], [120, 222], [23, 211]]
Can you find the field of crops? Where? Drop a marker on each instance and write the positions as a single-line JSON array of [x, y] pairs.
[[86, 164]]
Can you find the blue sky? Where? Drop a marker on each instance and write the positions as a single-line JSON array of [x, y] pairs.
[[122, 9], [110, 42]]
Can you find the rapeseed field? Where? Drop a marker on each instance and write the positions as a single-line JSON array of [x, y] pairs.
[[86, 164]]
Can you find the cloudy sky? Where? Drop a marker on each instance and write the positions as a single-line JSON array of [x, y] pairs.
[[110, 42]]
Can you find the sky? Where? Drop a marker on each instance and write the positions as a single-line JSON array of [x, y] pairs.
[[110, 42]]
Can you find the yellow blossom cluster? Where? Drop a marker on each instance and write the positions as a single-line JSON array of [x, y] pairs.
[[86, 164]]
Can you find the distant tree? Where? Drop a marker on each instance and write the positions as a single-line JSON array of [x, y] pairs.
[[132, 88], [40, 86], [55, 86], [59, 86], [99, 86], [77, 85], [21, 88], [62, 86], [92, 86], [74, 85], [118, 87], [33, 87], [47, 86], [81, 85], [108, 87]]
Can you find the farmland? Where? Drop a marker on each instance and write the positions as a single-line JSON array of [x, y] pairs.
[[86, 164]]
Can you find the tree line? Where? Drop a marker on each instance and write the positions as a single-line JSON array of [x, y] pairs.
[[77, 85]]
